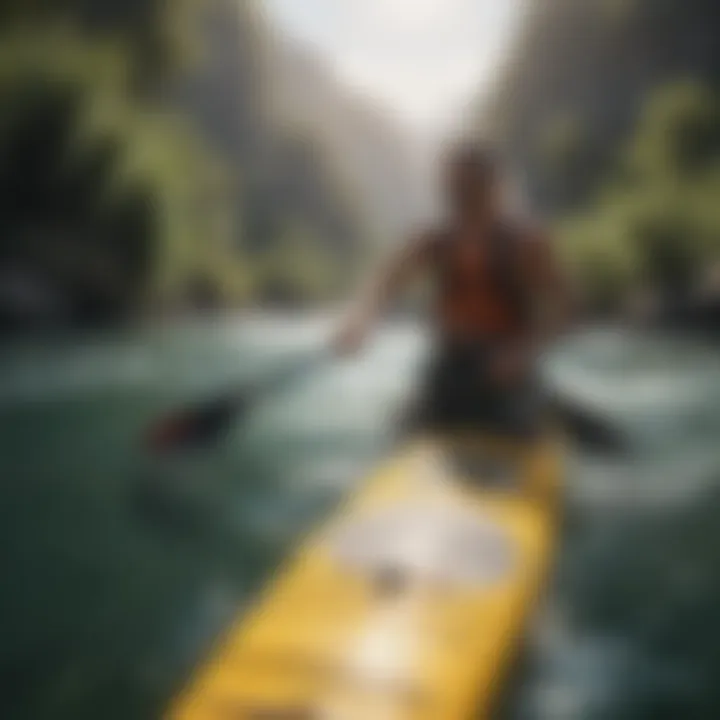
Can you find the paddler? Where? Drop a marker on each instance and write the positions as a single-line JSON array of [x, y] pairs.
[[499, 298]]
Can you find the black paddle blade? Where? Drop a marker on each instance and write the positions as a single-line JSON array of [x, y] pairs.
[[588, 429], [195, 428]]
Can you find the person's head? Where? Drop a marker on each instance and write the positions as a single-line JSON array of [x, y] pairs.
[[472, 180]]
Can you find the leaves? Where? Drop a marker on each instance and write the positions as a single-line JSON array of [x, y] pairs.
[[132, 182], [657, 223]]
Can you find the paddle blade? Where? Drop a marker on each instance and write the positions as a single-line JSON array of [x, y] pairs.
[[589, 429], [195, 428]]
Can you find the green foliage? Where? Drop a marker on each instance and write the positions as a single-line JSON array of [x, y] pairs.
[[680, 133], [156, 31], [281, 171], [297, 269], [129, 184], [657, 224], [598, 259], [596, 62], [112, 204], [591, 104]]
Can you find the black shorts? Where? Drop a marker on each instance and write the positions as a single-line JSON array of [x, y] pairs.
[[458, 393]]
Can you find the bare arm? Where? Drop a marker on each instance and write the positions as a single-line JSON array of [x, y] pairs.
[[383, 288]]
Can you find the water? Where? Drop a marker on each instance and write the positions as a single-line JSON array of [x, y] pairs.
[[109, 600]]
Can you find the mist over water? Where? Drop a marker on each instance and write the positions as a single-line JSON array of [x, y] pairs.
[[109, 608]]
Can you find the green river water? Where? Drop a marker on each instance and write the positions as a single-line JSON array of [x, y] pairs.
[[105, 610]]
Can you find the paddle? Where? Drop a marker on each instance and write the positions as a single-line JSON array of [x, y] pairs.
[[200, 426], [203, 425], [591, 431]]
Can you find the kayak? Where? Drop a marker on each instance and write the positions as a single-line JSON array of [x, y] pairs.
[[411, 603]]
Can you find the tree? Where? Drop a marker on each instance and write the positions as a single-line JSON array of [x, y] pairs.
[[658, 222], [103, 201]]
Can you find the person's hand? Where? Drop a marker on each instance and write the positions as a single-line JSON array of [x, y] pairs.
[[351, 337]]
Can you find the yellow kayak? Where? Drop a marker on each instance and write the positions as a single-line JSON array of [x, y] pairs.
[[410, 604]]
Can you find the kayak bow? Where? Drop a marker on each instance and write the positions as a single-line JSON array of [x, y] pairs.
[[410, 604]]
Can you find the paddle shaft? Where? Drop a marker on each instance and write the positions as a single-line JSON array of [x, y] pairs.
[[206, 423]]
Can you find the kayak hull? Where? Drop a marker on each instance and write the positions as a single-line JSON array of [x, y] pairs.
[[409, 604]]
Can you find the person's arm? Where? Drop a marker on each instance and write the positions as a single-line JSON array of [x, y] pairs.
[[383, 288]]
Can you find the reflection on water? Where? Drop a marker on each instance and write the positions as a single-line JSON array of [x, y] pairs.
[[110, 603]]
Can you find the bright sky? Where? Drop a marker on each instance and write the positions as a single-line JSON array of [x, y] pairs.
[[423, 59]]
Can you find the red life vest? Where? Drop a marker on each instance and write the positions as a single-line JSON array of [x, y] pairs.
[[483, 290]]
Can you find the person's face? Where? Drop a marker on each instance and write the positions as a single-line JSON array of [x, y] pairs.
[[471, 192]]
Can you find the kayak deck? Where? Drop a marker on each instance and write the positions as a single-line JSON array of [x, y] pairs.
[[408, 605]]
